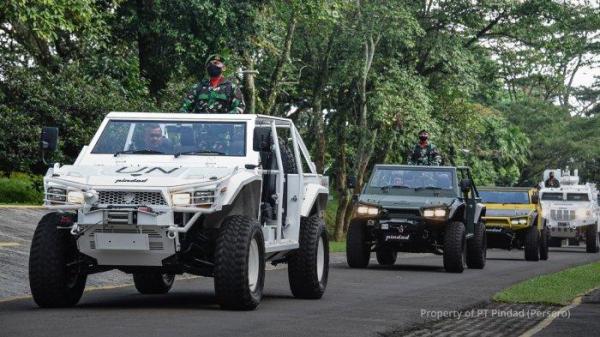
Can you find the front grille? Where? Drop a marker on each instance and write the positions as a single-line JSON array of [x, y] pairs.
[[562, 214], [130, 198], [403, 213]]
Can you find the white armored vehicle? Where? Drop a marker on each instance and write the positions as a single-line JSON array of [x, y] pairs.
[[571, 210], [157, 194]]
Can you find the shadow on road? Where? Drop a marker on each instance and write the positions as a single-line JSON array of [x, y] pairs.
[[409, 267], [574, 250]]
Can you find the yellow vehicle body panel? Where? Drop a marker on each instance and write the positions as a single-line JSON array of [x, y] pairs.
[[505, 222]]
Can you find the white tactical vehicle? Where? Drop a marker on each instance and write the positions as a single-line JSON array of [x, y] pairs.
[[571, 211], [157, 194]]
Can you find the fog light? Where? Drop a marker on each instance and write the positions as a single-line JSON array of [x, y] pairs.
[[385, 226]]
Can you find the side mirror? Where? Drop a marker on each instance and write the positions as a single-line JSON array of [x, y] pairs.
[[535, 198], [49, 139], [465, 185], [351, 182], [262, 139]]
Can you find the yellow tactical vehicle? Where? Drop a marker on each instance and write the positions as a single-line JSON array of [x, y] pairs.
[[513, 220]]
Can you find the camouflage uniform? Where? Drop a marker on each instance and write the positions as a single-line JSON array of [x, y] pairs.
[[203, 98], [552, 182], [428, 156]]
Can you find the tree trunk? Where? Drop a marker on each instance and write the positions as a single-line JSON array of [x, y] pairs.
[[278, 71], [249, 85]]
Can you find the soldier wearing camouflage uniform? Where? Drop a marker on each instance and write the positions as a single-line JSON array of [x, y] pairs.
[[424, 152], [215, 95]]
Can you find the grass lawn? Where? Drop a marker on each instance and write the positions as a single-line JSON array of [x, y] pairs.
[[558, 288], [337, 246]]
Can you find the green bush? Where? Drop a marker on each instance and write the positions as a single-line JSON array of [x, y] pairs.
[[21, 189]]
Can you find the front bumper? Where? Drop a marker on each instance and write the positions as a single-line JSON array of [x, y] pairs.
[[126, 245], [504, 223]]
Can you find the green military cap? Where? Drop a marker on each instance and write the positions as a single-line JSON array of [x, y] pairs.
[[217, 57]]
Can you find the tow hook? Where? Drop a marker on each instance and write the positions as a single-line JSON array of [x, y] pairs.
[[76, 230]]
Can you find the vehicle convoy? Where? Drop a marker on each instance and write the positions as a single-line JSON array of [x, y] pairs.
[[157, 194], [513, 220], [571, 211], [433, 209]]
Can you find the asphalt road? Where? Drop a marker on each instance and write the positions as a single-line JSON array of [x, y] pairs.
[[356, 303]]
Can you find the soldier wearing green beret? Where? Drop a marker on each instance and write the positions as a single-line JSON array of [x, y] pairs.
[[215, 94]]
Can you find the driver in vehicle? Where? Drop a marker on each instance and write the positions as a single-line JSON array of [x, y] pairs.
[[155, 141]]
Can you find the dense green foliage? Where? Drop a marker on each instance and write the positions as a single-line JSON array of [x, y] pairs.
[[493, 81], [21, 189]]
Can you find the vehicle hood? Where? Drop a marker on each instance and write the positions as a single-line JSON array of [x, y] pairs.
[[404, 201], [509, 210], [139, 176]]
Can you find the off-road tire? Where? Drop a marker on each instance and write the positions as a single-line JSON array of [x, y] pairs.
[[477, 248], [386, 256], [52, 284], [358, 253], [287, 158], [545, 237], [304, 262], [153, 283], [591, 239], [232, 255], [532, 244], [455, 247]]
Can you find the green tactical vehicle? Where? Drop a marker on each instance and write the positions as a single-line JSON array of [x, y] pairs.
[[420, 209]]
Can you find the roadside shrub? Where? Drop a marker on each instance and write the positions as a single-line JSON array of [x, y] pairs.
[[21, 189]]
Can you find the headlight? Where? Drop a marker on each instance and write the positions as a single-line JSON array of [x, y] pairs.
[[55, 194], [583, 213], [75, 197], [181, 199], [367, 210], [518, 221], [204, 197], [435, 213]]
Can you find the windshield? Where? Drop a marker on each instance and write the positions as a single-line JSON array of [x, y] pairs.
[[577, 197], [552, 196], [504, 197], [173, 138], [395, 180]]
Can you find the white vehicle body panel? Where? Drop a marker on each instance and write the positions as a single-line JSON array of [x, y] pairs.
[[566, 218], [116, 228]]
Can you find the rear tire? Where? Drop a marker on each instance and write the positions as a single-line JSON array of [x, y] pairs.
[[52, 283], [455, 247], [532, 244], [591, 239], [358, 253], [239, 264], [386, 256], [545, 237], [153, 283], [477, 248], [308, 266]]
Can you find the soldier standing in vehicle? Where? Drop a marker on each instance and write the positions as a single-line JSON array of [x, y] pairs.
[[424, 152], [552, 182], [215, 94]]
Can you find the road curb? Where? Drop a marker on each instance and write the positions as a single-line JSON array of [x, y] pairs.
[[22, 206], [546, 322]]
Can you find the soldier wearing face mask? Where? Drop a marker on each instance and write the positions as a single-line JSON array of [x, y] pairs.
[[215, 94], [424, 152]]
